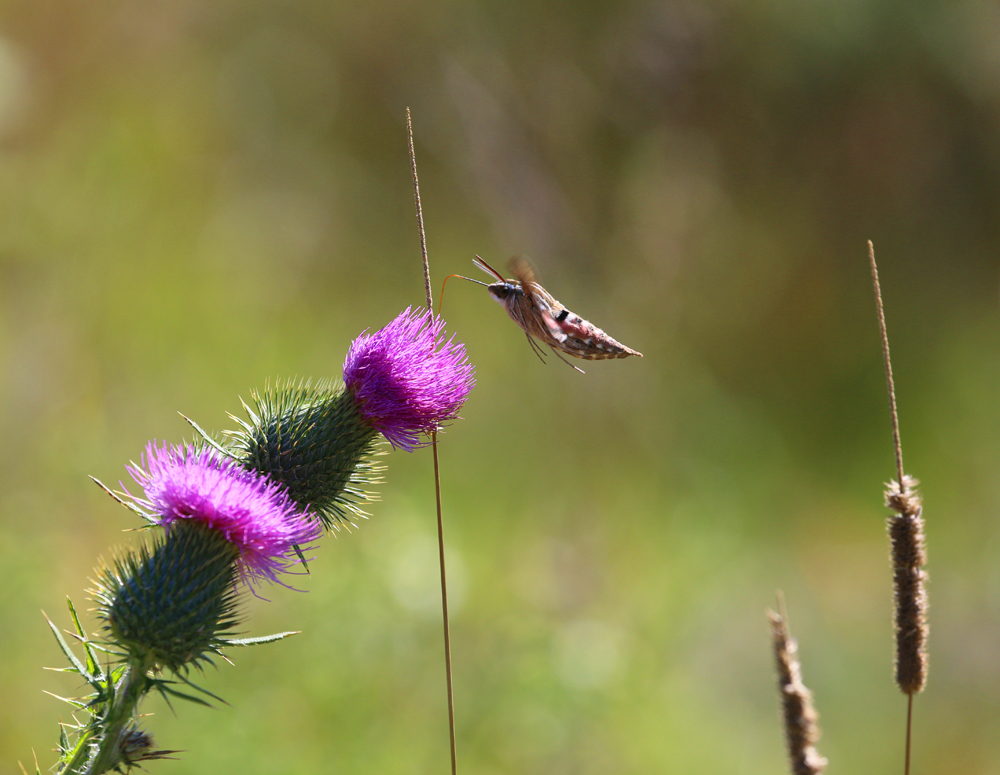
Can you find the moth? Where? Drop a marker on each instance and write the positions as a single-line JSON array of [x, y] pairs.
[[540, 316]]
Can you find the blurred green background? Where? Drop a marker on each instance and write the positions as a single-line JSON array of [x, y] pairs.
[[196, 198]]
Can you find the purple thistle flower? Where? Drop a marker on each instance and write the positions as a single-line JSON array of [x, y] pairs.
[[407, 382], [252, 512]]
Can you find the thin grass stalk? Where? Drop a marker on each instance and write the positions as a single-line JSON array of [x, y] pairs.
[[799, 717], [437, 469], [907, 551]]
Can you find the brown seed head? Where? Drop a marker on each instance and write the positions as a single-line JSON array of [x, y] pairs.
[[905, 499], [906, 535], [798, 714]]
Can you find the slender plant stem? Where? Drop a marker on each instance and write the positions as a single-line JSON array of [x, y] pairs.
[[437, 467], [899, 456], [444, 608], [420, 214], [909, 728], [888, 366]]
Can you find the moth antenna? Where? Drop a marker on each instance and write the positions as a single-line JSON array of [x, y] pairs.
[[446, 279], [488, 269]]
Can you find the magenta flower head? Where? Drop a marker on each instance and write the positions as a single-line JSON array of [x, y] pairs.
[[250, 511], [172, 602], [406, 379]]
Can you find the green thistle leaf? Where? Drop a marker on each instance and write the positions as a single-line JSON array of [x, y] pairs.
[[262, 639]]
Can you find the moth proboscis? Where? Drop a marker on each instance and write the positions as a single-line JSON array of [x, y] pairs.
[[540, 316]]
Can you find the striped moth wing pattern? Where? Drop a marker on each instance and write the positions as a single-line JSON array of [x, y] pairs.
[[540, 316]]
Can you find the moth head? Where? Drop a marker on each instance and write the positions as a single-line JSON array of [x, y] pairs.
[[500, 291]]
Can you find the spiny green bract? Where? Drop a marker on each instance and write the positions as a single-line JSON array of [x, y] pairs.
[[168, 605], [313, 440]]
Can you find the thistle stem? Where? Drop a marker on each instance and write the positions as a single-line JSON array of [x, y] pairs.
[[107, 733], [128, 692]]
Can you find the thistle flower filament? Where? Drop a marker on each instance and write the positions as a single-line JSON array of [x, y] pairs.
[[251, 512], [406, 380]]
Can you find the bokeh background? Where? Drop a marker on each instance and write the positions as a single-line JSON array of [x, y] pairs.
[[198, 198]]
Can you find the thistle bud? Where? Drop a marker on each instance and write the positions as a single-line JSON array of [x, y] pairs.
[[168, 605], [401, 382]]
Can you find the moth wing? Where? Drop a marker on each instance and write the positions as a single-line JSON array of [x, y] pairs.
[[546, 307], [575, 326], [523, 271], [555, 328]]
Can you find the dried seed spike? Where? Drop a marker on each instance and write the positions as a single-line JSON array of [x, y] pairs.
[[906, 535], [798, 714]]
